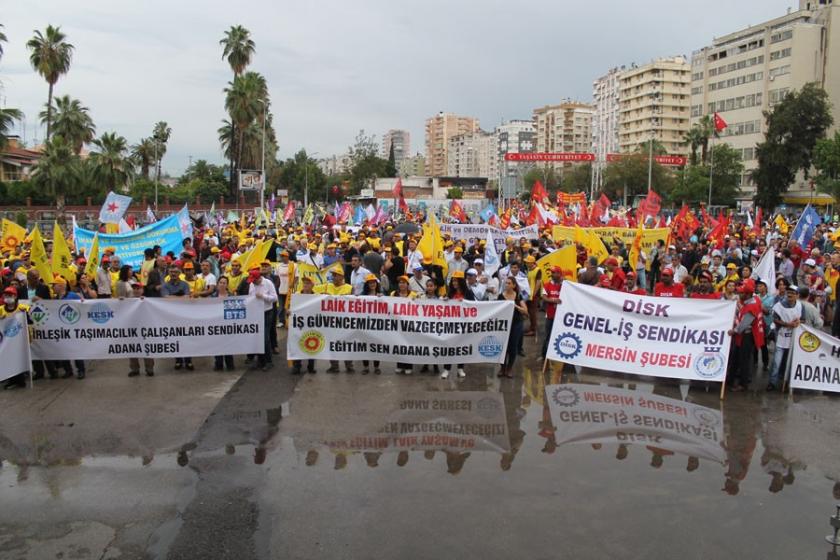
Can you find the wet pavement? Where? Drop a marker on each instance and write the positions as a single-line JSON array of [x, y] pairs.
[[252, 464]]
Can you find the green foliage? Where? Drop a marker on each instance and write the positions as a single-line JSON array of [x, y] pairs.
[[7, 119], [366, 165], [692, 183], [546, 175], [50, 56], [58, 171], [578, 178], [298, 172], [391, 168], [70, 120], [793, 128], [455, 193], [827, 163], [21, 219], [112, 169], [631, 171], [238, 48]]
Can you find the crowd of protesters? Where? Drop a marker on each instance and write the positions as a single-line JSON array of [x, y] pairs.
[[379, 260]]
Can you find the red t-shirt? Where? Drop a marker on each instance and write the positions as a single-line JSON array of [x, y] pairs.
[[638, 292], [551, 290], [674, 290], [618, 279], [713, 295]]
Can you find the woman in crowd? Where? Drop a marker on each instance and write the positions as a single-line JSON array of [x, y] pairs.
[[457, 291], [430, 293], [372, 287], [221, 291], [520, 313], [134, 363], [403, 291], [124, 282]]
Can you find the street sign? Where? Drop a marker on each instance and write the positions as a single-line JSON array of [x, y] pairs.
[[661, 160], [545, 156]]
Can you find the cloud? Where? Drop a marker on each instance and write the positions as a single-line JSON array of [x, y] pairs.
[[334, 67]]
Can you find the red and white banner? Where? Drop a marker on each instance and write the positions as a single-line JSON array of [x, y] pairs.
[[661, 160], [645, 335], [545, 156], [815, 360]]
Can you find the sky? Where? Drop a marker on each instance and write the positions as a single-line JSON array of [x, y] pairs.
[[334, 67]]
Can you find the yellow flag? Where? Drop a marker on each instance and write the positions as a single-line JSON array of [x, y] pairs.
[[12, 235], [257, 254], [636, 249], [112, 228], [438, 256], [61, 257], [38, 256], [592, 243], [565, 258], [258, 221], [93, 257], [318, 275], [783, 225], [309, 215]]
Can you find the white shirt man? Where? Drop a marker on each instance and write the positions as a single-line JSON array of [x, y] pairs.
[[478, 290], [491, 284], [357, 275], [417, 282], [264, 290]]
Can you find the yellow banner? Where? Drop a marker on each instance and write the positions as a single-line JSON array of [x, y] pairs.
[[565, 258], [626, 235], [12, 236]]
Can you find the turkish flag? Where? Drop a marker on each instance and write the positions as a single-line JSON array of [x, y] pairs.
[[720, 124], [397, 191], [538, 192]]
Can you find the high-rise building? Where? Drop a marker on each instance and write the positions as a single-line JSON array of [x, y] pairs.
[[517, 136], [401, 140], [566, 127], [413, 166], [335, 165], [605, 102], [472, 155], [749, 71], [654, 104], [439, 129]]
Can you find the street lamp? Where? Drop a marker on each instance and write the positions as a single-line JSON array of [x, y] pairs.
[[262, 164], [306, 180]]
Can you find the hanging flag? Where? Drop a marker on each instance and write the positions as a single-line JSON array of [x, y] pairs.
[[114, 208], [345, 213], [150, 216], [538, 192], [569, 199], [93, 258], [749, 220], [488, 212], [564, 257], [359, 215], [720, 124], [272, 202], [370, 212], [457, 212], [492, 262], [185, 223], [806, 226], [289, 214], [308, 215], [765, 270], [504, 222], [38, 256], [12, 236], [124, 227], [636, 248], [61, 257], [759, 222], [782, 224], [397, 191]]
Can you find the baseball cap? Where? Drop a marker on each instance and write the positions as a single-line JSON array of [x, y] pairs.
[[337, 270], [418, 266], [747, 286], [10, 292], [667, 272], [612, 260], [810, 262], [458, 274], [214, 250], [189, 265], [370, 277], [472, 272], [530, 259], [478, 261], [556, 269], [731, 265]]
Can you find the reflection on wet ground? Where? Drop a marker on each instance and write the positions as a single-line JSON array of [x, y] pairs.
[[575, 466]]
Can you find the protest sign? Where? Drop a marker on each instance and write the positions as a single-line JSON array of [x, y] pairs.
[[627, 235], [14, 346], [815, 360], [130, 246], [645, 335], [600, 414], [456, 420], [465, 232], [147, 328], [398, 329]]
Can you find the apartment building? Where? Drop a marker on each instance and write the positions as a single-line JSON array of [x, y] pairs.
[[412, 166], [566, 127], [439, 129], [654, 102], [749, 71], [401, 140], [473, 155]]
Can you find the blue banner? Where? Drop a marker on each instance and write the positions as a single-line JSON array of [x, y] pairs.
[[806, 226], [168, 233]]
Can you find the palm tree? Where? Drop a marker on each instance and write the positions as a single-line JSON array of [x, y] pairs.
[[243, 103], [3, 39], [160, 135], [7, 118], [50, 57], [238, 48], [111, 165], [71, 120], [695, 139], [58, 170], [143, 154]]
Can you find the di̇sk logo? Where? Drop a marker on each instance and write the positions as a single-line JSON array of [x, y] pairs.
[[565, 396], [489, 347], [568, 345], [69, 314], [100, 313]]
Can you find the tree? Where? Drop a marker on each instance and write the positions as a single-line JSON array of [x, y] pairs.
[[391, 168], [629, 175], [546, 175], [238, 48], [3, 39], [160, 136], [110, 163], [577, 179], [298, 172], [694, 138], [71, 121], [58, 170], [455, 193], [50, 56], [245, 99], [7, 119], [827, 163], [143, 155], [365, 163], [793, 128], [692, 183]]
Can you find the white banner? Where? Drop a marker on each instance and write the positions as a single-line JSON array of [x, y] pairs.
[[150, 328], [465, 232], [398, 329], [599, 414], [644, 335], [815, 360], [14, 346]]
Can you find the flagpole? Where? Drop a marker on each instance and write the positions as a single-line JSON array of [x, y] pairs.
[[711, 168]]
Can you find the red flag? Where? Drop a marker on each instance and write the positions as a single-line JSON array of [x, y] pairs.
[[457, 212], [397, 191], [404, 206], [538, 193], [504, 223], [758, 222], [289, 214], [720, 124], [654, 203]]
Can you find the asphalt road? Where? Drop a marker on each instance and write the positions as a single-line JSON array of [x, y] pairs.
[[252, 464]]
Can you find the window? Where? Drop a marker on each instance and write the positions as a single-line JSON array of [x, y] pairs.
[[696, 76], [776, 55], [781, 36], [776, 95], [696, 110], [780, 71]]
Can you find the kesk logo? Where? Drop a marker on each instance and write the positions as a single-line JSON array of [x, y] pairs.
[[69, 314], [100, 313], [39, 314], [13, 329], [808, 342], [312, 342], [489, 347]]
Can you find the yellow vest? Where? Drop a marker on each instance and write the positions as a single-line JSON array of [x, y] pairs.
[[20, 307], [196, 285], [333, 290], [234, 281]]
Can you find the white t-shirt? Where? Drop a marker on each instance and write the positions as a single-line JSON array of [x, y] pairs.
[[209, 279], [787, 314]]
